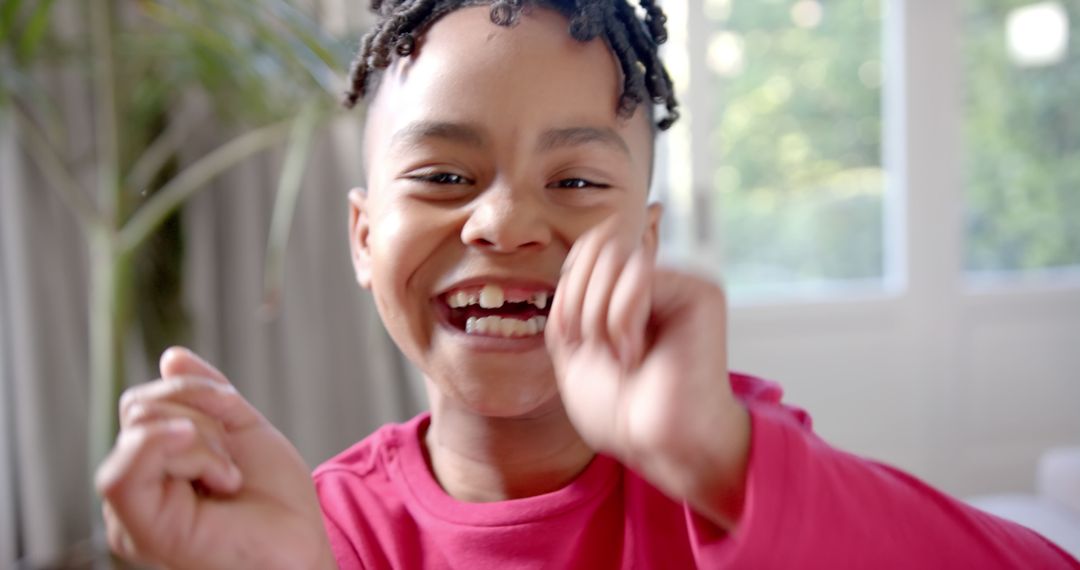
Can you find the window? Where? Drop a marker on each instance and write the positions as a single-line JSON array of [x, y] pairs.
[[1022, 130], [797, 141], [774, 182]]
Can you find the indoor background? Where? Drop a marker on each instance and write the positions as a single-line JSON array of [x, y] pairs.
[[889, 189]]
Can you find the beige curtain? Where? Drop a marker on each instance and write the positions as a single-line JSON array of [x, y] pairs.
[[324, 370], [43, 353]]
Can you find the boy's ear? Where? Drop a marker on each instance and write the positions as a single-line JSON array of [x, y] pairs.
[[651, 237], [359, 229]]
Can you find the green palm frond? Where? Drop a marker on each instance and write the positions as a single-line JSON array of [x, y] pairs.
[[266, 67]]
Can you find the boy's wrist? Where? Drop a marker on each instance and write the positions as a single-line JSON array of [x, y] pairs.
[[711, 468]]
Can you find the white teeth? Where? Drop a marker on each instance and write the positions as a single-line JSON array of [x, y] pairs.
[[459, 299], [508, 328], [536, 324], [492, 296]]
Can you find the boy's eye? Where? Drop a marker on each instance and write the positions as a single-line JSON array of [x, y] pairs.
[[577, 184], [445, 178]]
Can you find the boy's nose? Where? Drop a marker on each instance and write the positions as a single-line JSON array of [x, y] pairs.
[[505, 221]]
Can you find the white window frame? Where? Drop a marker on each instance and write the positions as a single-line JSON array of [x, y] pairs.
[[928, 309]]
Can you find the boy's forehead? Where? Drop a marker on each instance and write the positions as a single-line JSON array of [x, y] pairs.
[[532, 76], [468, 36]]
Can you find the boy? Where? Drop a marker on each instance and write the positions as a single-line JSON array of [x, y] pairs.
[[506, 238]]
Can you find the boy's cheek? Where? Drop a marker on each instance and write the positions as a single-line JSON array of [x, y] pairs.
[[388, 225], [630, 224]]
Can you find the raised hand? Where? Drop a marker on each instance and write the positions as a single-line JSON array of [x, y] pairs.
[[640, 356], [199, 479]]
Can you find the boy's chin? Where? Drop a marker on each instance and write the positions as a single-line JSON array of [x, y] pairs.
[[498, 385]]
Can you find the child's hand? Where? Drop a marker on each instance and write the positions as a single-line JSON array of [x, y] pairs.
[[641, 360], [199, 479]]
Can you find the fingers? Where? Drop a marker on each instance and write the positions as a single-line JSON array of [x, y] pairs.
[[147, 483], [179, 361], [148, 411], [677, 293], [118, 536], [682, 306], [602, 281], [226, 406], [604, 294], [132, 478], [570, 293], [147, 454], [215, 399], [630, 305]]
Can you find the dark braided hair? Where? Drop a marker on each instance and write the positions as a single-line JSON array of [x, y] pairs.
[[633, 40]]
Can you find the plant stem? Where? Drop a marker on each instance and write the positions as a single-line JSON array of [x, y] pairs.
[[289, 185], [54, 169], [161, 150], [110, 276], [195, 178], [108, 265], [106, 128]]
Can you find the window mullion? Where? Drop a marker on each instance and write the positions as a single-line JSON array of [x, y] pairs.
[[924, 125], [707, 233], [923, 150]]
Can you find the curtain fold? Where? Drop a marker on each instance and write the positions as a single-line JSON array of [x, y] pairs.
[[44, 358], [324, 371]]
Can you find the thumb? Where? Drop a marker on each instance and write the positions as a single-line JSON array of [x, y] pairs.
[[179, 361], [226, 405]]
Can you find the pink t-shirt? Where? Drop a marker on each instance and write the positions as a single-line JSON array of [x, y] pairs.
[[808, 505]]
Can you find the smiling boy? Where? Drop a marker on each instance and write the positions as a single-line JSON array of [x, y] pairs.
[[582, 414]]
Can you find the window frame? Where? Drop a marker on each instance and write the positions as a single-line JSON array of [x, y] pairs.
[[923, 156], [930, 321]]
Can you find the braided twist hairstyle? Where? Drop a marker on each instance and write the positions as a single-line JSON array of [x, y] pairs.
[[634, 40]]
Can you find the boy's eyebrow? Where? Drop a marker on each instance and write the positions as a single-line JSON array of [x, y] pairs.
[[574, 136], [464, 133], [416, 132]]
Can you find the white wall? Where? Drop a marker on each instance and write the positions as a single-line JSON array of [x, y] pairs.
[[961, 383], [966, 400]]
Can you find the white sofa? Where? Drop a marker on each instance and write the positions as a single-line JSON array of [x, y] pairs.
[[1054, 510]]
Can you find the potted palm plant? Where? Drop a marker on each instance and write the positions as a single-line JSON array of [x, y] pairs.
[[264, 72]]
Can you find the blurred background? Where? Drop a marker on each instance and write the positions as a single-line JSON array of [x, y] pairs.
[[889, 189]]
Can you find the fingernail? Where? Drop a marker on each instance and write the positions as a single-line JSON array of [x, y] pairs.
[[135, 411], [180, 433], [235, 476], [174, 352], [180, 425], [570, 257]]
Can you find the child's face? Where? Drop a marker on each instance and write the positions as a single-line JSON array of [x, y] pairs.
[[490, 151]]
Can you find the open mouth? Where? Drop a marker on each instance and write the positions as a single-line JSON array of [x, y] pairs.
[[498, 311]]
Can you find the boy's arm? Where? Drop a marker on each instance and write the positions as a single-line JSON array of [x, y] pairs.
[[807, 501], [640, 356], [198, 478]]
